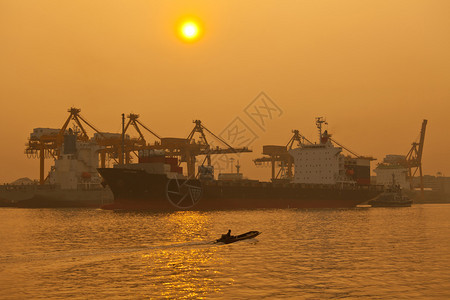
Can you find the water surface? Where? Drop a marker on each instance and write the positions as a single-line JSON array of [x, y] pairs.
[[376, 253]]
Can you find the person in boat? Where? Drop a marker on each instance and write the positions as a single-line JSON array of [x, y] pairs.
[[227, 235]]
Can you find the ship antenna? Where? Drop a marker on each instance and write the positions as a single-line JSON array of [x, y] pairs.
[[319, 121], [232, 160]]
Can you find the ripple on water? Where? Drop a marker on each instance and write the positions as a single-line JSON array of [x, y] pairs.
[[352, 253]]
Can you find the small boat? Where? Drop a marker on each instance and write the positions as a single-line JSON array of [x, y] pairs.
[[389, 199], [234, 238], [392, 197]]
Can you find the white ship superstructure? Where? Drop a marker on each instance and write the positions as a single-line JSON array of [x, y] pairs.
[[316, 164], [324, 163], [319, 163], [76, 168], [72, 181], [392, 168]]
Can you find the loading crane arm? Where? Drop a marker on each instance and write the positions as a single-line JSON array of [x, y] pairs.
[[340, 145]]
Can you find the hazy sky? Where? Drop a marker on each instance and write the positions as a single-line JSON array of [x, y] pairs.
[[374, 69]]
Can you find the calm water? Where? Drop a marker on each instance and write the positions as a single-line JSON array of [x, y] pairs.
[[376, 253]]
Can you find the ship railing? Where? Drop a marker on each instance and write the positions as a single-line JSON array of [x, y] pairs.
[[26, 187], [338, 186], [89, 186]]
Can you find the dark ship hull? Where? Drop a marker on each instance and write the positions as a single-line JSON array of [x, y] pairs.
[[137, 189], [51, 196]]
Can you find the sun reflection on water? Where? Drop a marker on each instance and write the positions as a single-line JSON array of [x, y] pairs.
[[317, 254], [189, 225], [184, 273], [190, 270]]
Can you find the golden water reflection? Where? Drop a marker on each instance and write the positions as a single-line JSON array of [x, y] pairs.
[[189, 225], [184, 273], [317, 254], [187, 270]]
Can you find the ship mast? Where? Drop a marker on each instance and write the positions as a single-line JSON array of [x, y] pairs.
[[122, 155], [319, 122]]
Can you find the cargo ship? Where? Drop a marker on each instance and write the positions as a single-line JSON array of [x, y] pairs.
[[324, 178], [73, 180]]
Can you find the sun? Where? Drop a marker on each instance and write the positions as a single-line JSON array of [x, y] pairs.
[[189, 31]]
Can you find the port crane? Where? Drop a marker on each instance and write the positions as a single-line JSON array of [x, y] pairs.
[[49, 143], [119, 147], [187, 149], [133, 120], [280, 155], [414, 157], [206, 148], [319, 122]]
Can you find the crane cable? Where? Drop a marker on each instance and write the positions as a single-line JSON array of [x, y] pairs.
[[355, 154]]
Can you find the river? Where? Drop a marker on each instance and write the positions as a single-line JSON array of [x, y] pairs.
[[367, 253]]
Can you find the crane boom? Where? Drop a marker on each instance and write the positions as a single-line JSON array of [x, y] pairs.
[[414, 157], [422, 140]]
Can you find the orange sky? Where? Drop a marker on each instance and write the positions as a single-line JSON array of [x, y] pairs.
[[374, 69]]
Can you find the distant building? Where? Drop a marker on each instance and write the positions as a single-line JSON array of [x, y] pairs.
[[439, 184]]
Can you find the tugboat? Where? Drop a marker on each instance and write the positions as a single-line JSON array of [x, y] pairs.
[[392, 197]]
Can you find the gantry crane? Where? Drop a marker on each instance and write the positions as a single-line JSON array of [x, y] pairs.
[[119, 147], [134, 121], [49, 145], [280, 155], [414, 157], [208, 148], [187, 149], [326, 136]]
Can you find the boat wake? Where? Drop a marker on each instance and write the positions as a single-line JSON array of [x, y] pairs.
[[75, 254], [110, 253]]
